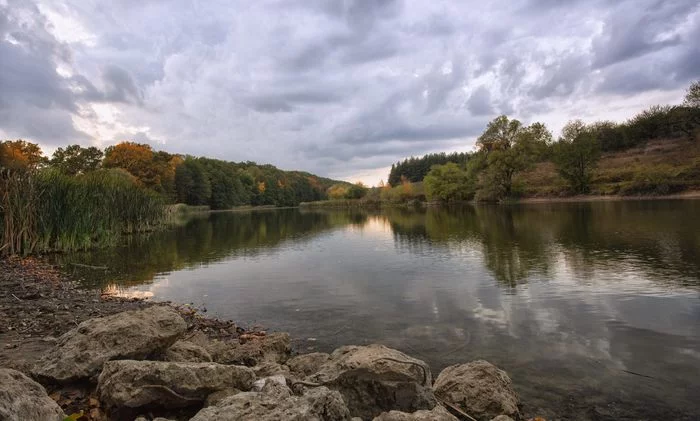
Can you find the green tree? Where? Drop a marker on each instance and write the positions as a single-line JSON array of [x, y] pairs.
[[356, 191], [576, 155], [692, 96], [75, 159], [509, 148], [448, 183]]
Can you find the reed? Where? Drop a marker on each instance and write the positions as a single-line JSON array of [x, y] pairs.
[[44, 211]]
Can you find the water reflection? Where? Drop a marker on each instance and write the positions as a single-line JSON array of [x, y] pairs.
[[593, 308]]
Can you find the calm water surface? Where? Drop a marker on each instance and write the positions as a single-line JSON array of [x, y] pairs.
[[593, 309]]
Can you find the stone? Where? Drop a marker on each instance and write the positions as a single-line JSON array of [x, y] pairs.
[[138, 384], [21, 398], [80, 353], [307, 364], [259, 384], [502, 418], [184, 351], [218, 396], [436, 414], [273, 347], [267, 369], [480, 389], [276, 402], [374, 379]]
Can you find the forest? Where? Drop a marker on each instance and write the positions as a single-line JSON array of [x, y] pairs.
[[82, 196]]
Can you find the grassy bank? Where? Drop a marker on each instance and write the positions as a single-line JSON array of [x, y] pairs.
[[43, 211], [658, 168]]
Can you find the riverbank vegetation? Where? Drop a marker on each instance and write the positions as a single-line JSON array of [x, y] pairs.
[[83, 197], [657, 152]]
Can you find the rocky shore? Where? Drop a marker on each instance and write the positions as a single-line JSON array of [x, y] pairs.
[[130, 360]]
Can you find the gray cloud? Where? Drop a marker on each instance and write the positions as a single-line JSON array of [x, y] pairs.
[[334, 87]]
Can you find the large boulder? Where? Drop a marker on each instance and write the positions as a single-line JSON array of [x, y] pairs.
[[274, 347], [184, 351], [138, 384], [21, 398], [307, 364], [480, 389], [437, 414], [373, 379], [80, 353], [276, 402]]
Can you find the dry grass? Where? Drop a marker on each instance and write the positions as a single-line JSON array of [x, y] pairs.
[[661, 166]]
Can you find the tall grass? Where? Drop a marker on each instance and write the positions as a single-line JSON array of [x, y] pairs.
[[48, 211]]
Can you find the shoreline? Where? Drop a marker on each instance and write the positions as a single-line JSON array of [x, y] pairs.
[[52, 326], [689, 195]]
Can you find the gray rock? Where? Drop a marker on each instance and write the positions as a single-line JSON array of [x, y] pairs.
[[137, 384], [276, 402], [480, 389], [216, 397], [267, 369], [80, 353], [259, 384], [436, 414], [502, 418], [21, 398], [373, 379], [307, 364], [274, 347], [184, 351]]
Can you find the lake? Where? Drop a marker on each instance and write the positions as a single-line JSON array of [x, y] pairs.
[[592, 308]]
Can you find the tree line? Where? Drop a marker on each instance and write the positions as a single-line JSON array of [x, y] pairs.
[[508, 148], [176, 178], [414, 169]]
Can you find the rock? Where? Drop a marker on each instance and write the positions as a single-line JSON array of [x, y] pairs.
[[502, 418], [216, 397], [21, 398], [80, 353], [437, 414], [184, 351], [267, 369], [276, 402], [259, 384], [274, 347], [307, 364], [373, 379], [137, 384], [479, 388]]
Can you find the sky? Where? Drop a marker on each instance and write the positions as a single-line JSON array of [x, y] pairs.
[[339, 88]]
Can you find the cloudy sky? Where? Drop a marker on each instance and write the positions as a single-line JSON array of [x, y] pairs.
[[341, 88]]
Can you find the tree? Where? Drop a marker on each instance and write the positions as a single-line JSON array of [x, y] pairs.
[[576, 154], [356, 191], [692, 96], [136, 158], [74, 159], [448, 183], [509, 148], [20, 154]]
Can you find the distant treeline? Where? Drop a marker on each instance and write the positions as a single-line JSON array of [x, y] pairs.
[[508, 149], [83, 197], [177, 178], [415, 169]]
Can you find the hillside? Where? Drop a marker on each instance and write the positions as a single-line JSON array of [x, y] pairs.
[[661, 166]]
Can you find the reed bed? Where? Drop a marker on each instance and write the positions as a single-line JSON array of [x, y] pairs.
[[45, 211]]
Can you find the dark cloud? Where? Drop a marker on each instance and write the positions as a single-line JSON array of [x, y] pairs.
[[479, 103], [637, 28], [120, 86], [336, 87]]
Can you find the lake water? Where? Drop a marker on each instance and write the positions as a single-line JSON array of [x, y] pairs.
[[592, 308]]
